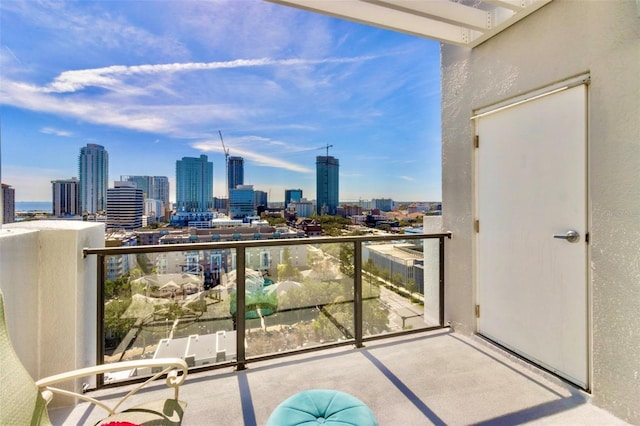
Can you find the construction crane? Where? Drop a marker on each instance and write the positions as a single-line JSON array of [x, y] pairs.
[[226, 161]]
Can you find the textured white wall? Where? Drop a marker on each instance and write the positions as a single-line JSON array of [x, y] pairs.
[[561, 40], [19, 284], [432, 225], [51, 290]]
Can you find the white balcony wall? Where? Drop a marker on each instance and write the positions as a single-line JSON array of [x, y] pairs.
[[50, 293], [561, 40], [432, 225], [19, 284]]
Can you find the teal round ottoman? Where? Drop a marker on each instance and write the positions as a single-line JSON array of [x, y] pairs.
[[327, 406]]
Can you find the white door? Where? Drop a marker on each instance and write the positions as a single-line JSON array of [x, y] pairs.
[[531, 188]]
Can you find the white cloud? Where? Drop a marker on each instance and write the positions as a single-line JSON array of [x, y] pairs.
[[52, 131], [407, 178], [257, 158], [72, 81]]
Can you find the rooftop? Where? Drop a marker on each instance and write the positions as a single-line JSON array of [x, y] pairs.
[[431, 378]]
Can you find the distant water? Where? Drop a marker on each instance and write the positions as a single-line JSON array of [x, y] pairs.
[[34, 206]]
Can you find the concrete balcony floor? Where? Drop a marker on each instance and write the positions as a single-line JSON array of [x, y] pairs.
[[434, 378]]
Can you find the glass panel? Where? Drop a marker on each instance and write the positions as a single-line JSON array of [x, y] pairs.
[[298, 296], [183, 303], [174, 304], [393, 283]]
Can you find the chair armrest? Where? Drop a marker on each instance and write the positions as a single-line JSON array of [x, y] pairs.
[[169, 366]]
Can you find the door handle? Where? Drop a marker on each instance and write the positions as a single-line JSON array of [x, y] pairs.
[[570, 236]]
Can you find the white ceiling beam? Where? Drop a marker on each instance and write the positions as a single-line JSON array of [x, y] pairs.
[[444, 11], [532, 6], [372, 14], [515, 5], [442, 20]]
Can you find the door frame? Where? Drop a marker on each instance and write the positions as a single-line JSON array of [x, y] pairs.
[[581, 79]]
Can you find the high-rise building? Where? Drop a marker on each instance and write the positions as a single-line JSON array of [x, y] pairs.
[[154, 210], [66, 197], [303, 207], [220, 204], [93, 170], [125, 206], [383, 204], [292, 196], [161, 191], [241, 202], [8, 204], [194, 184], [327, 184], [154, 187], [260, 198], [236, 171]]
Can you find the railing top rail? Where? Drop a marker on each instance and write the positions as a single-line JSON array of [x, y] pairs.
[[106, 251]]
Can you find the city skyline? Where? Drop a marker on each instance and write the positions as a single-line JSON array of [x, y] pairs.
[[155, 84]]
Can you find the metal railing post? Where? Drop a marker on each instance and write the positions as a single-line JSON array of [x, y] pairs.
[[357, 278], [441, 291], [241, 306], [100, 318]]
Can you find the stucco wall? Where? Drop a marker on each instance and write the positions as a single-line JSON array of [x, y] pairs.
[[19, 285], [50, 293], [561, 40]]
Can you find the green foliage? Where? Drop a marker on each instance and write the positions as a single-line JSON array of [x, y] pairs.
[[115, 326], [170, 311], [275, 221], [286, 270], [199, 306], [397, 279], [346, 259], [118, 288], [332, 225], [384, 227], [385, 274], [371, 271], [412, 285]]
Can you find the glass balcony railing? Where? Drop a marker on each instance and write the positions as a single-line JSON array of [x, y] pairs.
[[230, 303]]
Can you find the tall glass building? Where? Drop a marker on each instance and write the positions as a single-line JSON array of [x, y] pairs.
[[93, 170], [194, 184], [125, 205], [292, 196], [154, 187], [66, 197], [261, 198], [236, 172], [241, 202], [327, 184]]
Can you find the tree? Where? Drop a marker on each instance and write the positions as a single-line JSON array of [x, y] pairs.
[[346, 259], [371, 271], [397, 279], [412, 285], [274, 221], [115, 326], [118, 288], [286, 270]]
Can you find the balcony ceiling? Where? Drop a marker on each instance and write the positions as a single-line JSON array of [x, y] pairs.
[[462, 23]]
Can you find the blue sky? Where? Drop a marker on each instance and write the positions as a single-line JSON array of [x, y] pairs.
[[154, 81]]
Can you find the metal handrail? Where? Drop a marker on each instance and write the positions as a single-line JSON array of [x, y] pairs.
[[161, 248]]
